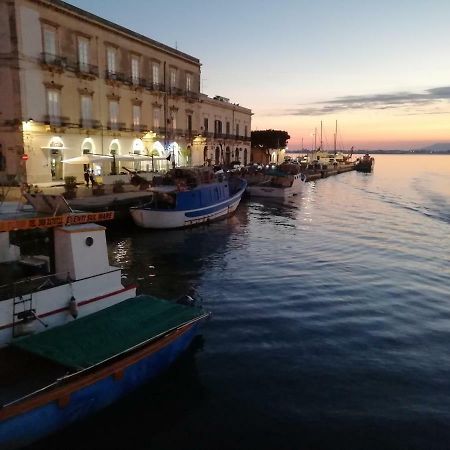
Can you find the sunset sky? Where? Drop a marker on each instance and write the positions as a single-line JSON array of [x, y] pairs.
[[382, 69]]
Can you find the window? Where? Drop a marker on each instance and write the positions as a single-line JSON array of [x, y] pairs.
[[156, 118], [86, 111], [111, 60], [245, 130], [83, 54], [228, 127], [206, 124], [245, 157], [237, 129], [173, 78], [135, 69], [174, 120], [155, 72], [113, 114], [189, 82], [189, 123], [136, 116], [218, 126], [54, 107], [49, 39]]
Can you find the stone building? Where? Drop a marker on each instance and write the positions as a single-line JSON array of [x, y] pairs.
[[74, 85]]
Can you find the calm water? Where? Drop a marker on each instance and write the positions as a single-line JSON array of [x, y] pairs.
[[330, 328]]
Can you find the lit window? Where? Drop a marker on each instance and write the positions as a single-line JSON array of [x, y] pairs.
[[86, 111], [173, 78], [136, 116], [135, 70], [189, 83], [155, 71], [113, 113], [111, 60], [49, 38], [54, 106], [156, 118], [83, 54]]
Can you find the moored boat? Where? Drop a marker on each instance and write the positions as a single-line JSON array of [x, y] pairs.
[[365, 164], [76, 340], [188, 197], [279, 185]]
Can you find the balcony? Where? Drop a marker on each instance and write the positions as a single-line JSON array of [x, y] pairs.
[[220, 135], [207, 134], [157, 87], [90, 124], [83, 70], [115, 76], [116, 126], [141, 128], [53, 62], [57, 121], [136, 82], [191, 95], [175, 91]]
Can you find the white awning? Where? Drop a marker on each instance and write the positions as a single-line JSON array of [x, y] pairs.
[[138, 158], [88, 159], [54, 148]]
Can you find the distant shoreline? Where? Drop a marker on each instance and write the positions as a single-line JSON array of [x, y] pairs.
[[382, 152]]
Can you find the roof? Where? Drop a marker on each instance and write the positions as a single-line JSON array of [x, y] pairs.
[[121, 29], [109, 332]]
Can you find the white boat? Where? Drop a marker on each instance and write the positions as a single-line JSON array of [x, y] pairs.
[[277, 186], [186, 203]]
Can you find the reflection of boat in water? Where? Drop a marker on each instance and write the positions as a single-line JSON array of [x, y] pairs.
[[75, 339], [188, 197], [278, 185], [365, 164]]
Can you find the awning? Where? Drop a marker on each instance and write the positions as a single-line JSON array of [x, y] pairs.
[[54, 148], [138, 158], [88, 159], [109, 332]]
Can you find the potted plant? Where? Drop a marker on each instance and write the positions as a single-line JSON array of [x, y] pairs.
[[70, 186], [118, 186]]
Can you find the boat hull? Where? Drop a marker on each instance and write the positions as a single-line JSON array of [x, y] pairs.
[[51, 410], [170, 219], [277, 192]]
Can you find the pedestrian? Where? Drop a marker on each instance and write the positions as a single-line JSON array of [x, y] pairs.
[[86, 177], [91, 177]]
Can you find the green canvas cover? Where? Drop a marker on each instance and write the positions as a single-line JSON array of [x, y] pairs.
[[99, 336]]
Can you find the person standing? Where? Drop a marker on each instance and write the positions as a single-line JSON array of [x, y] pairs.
[[86, 177]]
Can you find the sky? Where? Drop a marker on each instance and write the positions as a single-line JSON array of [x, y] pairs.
[[381, 69]]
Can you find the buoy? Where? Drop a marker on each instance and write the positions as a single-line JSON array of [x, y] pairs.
[[73, 307]]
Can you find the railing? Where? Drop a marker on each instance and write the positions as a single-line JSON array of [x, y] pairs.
[[116, 125], [192, 95], [49, 59], [81, 68], [90, 123], [56, 120], [220, 135], [207, 134], [176, 91], [141, 127], [116, 76]]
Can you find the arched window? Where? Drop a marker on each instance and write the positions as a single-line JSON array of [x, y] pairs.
[[227, 155], [138, 147], [87, 147], [217, 156], [236, 155], [114, 147]]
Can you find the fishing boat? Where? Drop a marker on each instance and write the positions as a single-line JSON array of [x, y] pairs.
[[187, 197], [278, 184], [75, 340], [365, 164]]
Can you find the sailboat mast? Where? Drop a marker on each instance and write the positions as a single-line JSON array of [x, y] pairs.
[[321, 142], [335, 137], [315, 139]]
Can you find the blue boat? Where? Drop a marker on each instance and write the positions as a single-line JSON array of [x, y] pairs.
[[188, 197], [72, 371]]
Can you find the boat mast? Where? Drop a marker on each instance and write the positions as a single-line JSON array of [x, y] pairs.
[[315, 139], [335, 137], [321, 142]]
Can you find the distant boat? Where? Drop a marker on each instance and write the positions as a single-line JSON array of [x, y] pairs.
[[188, 197], [278, 185], [365, 164], [75, 340]]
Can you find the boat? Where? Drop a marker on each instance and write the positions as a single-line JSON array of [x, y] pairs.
[[75, 340], [278, 184], [187, 197], [365, 164]]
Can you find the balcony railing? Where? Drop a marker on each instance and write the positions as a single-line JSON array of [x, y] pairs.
[[57, 121], [176, 91], [116, 76], [118, 126], [90, 123], [192, 95], [157, 87], [83, 69], [207, 134], [48, 59], [220, 135], [141, 127]]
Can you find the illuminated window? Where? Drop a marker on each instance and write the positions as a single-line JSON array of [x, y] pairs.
[[156, 118], [155, 72], [83, 54], [173, 78], [111, 60], [189, 82], [136, 116], [54, 106], [49, 40], [135, 69], [113, 113], [86, 111]]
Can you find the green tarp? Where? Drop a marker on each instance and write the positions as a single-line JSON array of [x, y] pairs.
[[99, 336]]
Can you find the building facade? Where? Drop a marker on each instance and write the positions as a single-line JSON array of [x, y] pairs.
[[74, 85]]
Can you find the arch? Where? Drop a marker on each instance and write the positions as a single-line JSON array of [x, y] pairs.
[[114, 147], [217, 156], [87, 146], [236, 155], [227, 155], [138, 146]]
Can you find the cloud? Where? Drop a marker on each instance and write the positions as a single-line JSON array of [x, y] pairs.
[[412, 100]]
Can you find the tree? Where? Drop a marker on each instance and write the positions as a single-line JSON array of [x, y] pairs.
[[270, 139]]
